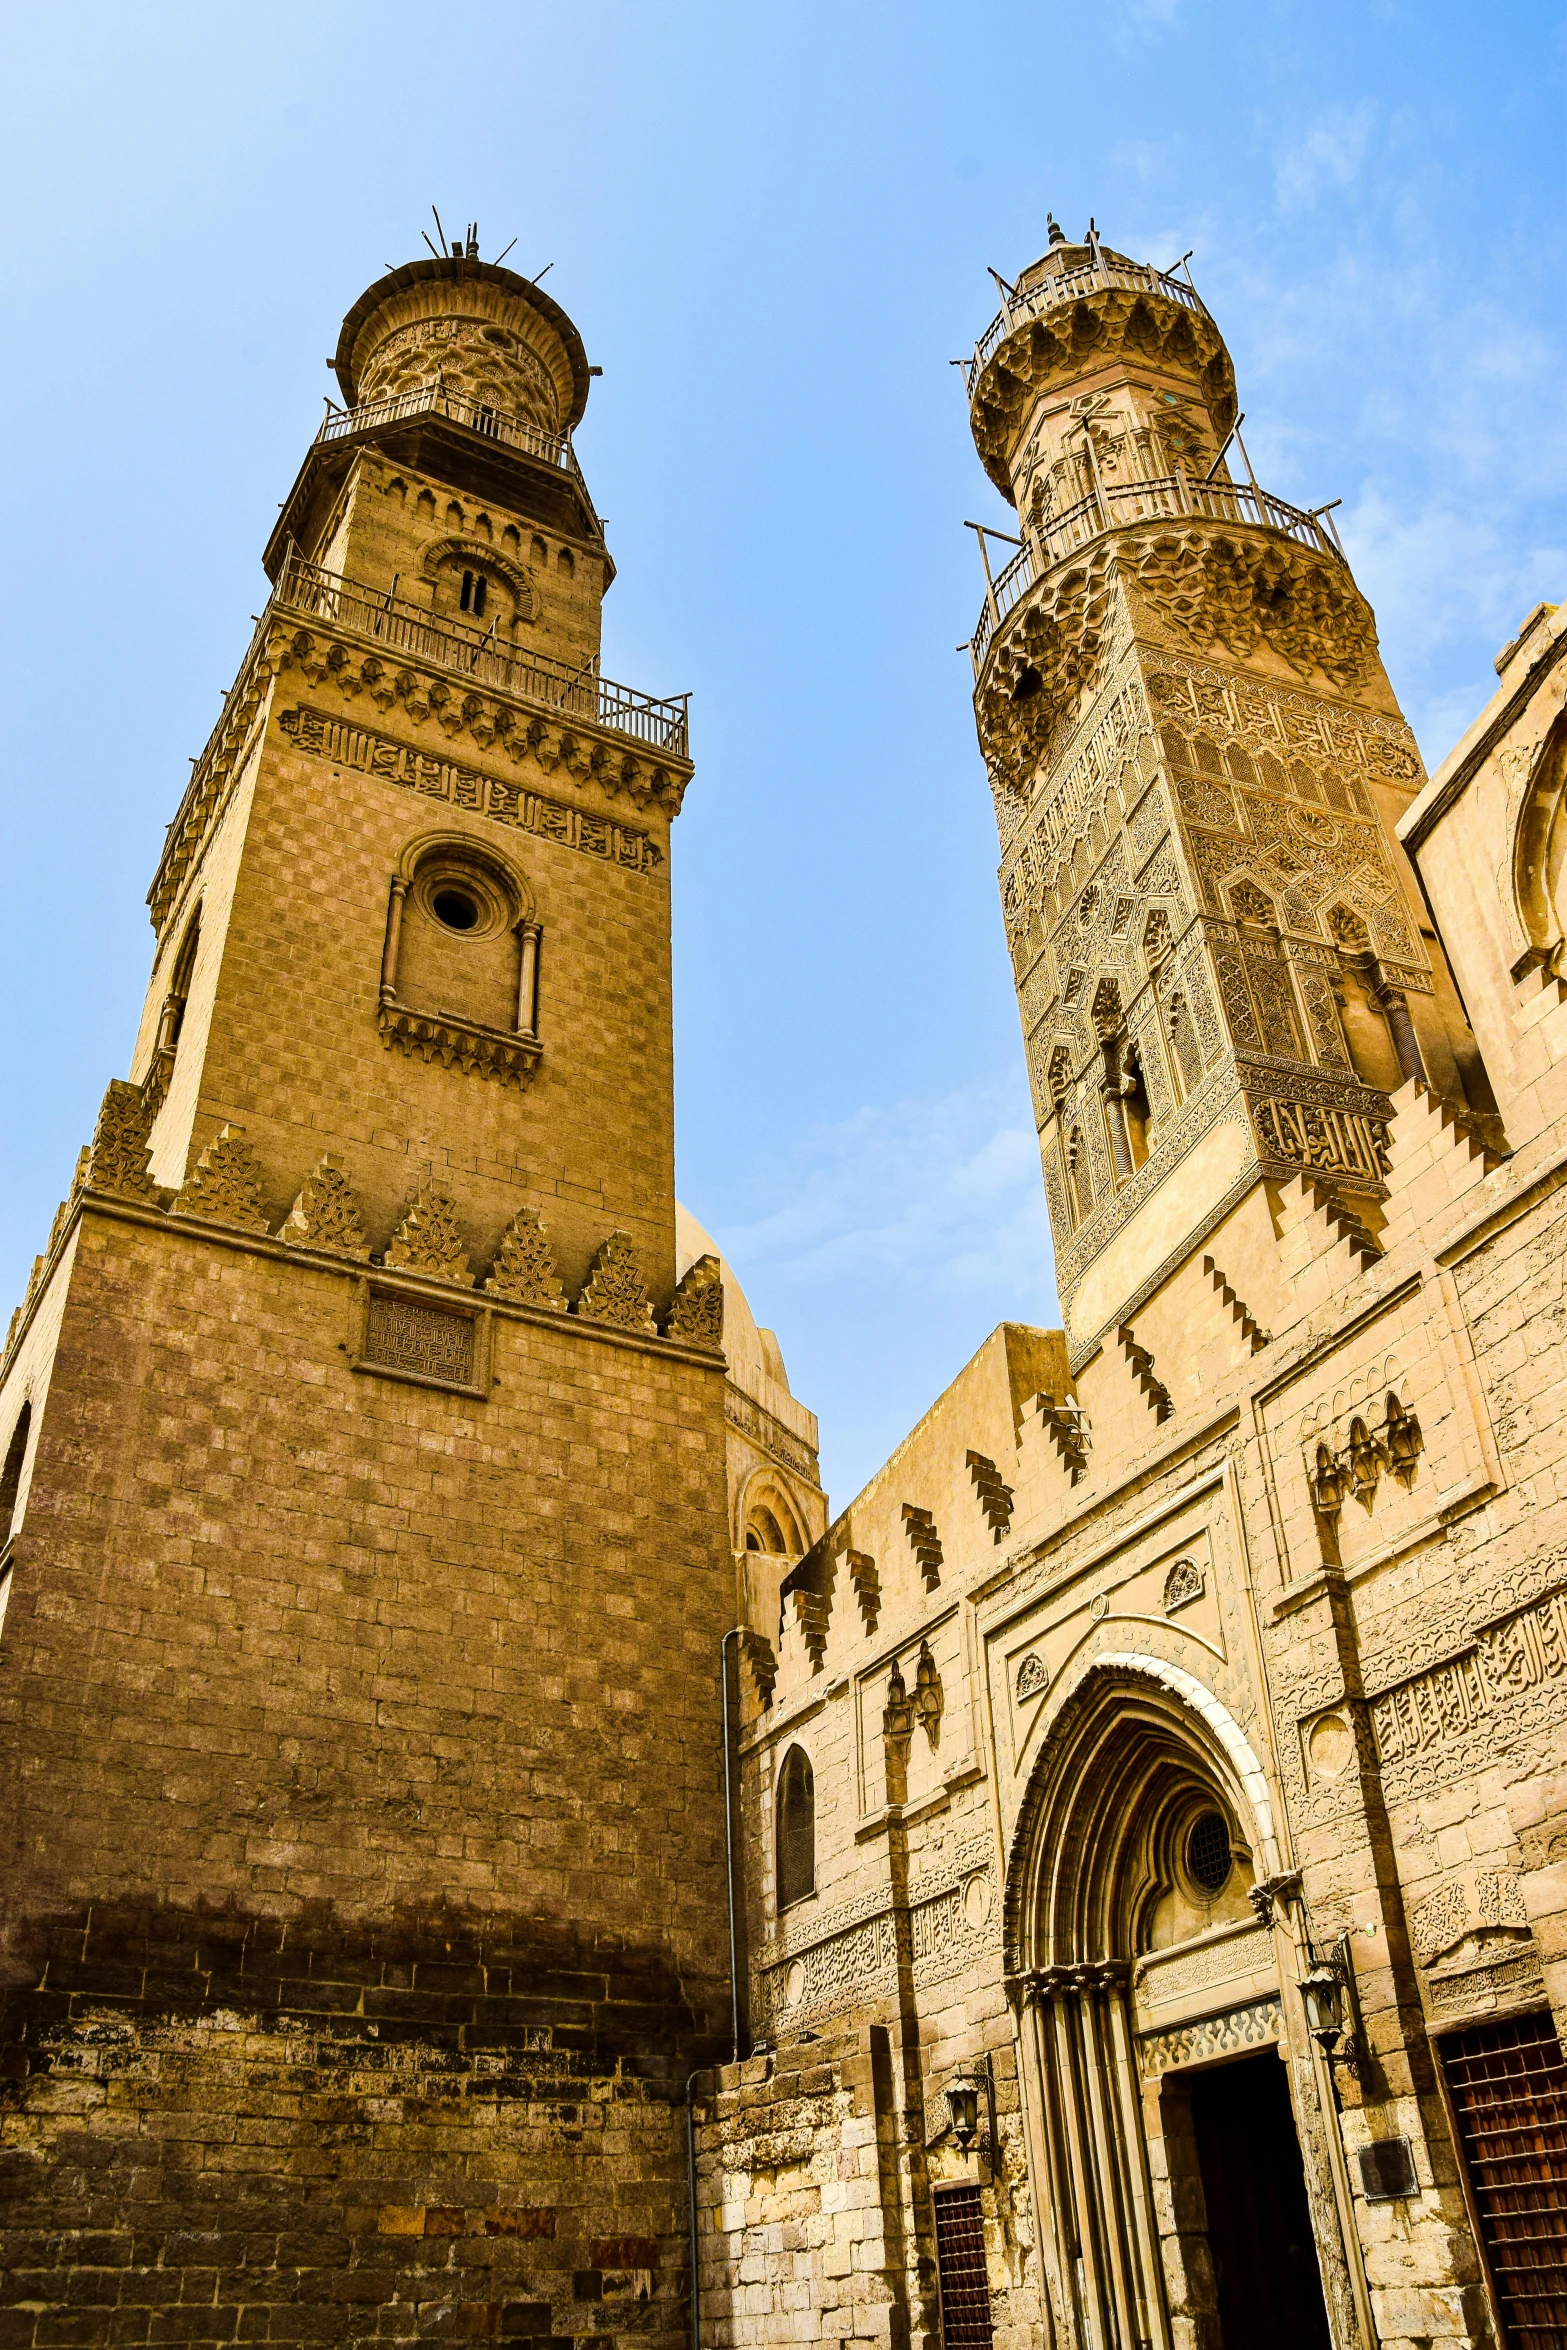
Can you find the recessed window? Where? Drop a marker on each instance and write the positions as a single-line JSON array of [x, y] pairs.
[[475, 592], [455, 908], [1209, 1859], [11, 1474], [796, 1828]]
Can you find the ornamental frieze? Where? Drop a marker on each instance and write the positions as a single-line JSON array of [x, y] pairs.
[[951, 1919], [1201, 697], [1503, 1686], [1256, 2025], [468, 787]]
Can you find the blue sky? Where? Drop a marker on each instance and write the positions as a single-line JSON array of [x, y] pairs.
[[772, 225]]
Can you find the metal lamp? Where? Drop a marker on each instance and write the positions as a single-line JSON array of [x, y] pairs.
[[1327, 1991], [1322, 1990], [962, 2095]]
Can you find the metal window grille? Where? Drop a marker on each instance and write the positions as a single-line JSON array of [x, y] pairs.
[[1509, 2089], [960, 2257]]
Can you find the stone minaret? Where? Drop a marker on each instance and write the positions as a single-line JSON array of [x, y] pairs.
[[1222, 959], [364, 1511]]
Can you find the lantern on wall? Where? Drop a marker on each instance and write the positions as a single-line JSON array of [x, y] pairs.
[[962, 2095], [1322, 1991], [1332, 2006]]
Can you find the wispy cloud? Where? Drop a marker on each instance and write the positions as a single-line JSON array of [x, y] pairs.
[[1432, 573], [1328, 158], [946, 1191], [889, 1241]]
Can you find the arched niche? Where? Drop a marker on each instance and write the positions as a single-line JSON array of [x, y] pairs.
[[1540, 853], [460, 963]]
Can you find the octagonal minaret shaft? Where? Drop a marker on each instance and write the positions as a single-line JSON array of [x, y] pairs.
[[1197, 762]]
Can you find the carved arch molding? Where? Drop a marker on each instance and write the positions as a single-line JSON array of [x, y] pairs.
[[1130, 1721], [451, 554], [1133, 1747]]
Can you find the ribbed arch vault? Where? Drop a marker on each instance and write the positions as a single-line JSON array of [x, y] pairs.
[[1135, 1740]]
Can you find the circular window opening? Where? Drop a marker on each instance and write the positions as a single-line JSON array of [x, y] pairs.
[[1208, 1854], [455, 908]]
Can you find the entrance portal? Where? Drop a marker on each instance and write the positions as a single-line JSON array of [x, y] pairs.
[[1259, 2228]]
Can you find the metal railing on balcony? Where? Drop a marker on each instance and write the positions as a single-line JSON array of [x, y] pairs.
[[433, 399], [1115, 505], [1092, 277], [399, 626]]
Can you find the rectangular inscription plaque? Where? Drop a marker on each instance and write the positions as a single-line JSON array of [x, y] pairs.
[[404, 1334]]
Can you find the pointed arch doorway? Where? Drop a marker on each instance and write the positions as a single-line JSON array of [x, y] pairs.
[[1162, 2125]]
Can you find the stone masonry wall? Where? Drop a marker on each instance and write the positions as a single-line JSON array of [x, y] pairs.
[[363, 1877]]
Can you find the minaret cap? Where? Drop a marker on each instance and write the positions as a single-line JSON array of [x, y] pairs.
[[492, 335]]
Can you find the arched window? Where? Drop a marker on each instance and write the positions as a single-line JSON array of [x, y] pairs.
[[1134, 1103], [1079, 1178], [475, 593], [11, 1474], [1183, 1036], [173, 1019], [796, 1828], [1540, 850]]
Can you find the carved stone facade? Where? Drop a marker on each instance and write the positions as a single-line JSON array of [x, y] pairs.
[[1245, 1591]]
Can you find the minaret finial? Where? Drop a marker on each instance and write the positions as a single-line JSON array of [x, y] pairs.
[[1057, 232]]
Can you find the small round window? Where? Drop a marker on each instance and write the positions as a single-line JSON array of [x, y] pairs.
[[455, 908], [1209, 1859], [462, 897]]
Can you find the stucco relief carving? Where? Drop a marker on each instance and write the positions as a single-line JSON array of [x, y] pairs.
[[1500, 1688], [952, 1918], [1251, 592], [1304, 734], [490, 795], [471, 357], [405, 1334], [225, 1183], [1159, 1978], [1473, 1942], [1255, 2025], [1108, 322]]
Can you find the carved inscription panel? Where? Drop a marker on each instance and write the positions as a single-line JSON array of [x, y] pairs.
[[404, 1334]]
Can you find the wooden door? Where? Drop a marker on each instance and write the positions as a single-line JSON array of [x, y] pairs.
[[1259, 2223]]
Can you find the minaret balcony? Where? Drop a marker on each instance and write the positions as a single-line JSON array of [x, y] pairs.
[[1100, 273], [433, 399], [1120, 505], [394, 625]]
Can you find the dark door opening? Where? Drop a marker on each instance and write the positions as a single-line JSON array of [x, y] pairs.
[[1259, 2226]]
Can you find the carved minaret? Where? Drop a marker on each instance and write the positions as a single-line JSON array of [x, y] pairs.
[[1222, 960], [364, 1510]]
